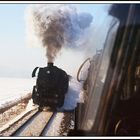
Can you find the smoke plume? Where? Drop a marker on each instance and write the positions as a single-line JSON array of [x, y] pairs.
[[55, 26]]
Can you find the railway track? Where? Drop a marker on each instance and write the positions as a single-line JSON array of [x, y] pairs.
[[35, 125], [31, 123]]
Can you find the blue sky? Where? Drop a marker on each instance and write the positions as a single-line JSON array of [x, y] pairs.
[[17, 60]]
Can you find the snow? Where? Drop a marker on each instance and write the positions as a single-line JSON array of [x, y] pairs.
[[13, 88]]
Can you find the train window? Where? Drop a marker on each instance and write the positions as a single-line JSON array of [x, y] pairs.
[[95, 90], [114, 76]]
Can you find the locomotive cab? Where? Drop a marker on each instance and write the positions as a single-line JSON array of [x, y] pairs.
[[111, 106]]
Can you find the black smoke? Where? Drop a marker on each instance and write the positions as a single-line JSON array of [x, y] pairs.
[[56, 26]]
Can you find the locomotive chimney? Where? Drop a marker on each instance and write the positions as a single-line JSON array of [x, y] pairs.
[[50, 64]]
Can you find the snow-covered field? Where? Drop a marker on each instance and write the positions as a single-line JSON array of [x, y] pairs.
[[12, 88]]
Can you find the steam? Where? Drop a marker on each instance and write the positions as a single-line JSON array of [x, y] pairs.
[[54, 26]]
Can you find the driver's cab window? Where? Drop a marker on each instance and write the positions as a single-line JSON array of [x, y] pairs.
[[98, 71]]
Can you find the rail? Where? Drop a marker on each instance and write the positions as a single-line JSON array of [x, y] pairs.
[[30, 123], [9, 104]]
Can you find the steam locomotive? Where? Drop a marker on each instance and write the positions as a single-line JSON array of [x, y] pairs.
[[51, 86]]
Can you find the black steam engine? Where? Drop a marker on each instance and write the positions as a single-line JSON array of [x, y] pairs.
[[51, 87]]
